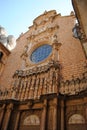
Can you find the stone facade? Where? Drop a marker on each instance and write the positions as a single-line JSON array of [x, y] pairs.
[[80, 12], [45, 90]]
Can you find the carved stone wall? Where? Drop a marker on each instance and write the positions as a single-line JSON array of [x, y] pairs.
[[33, 83], [50, 94], [30, 120], [51, 112], [76, 114], [13, 119], [74, 86]]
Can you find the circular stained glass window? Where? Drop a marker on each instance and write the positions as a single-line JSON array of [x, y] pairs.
[[41, 53]]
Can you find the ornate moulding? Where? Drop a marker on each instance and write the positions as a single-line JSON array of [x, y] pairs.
[[46, 16], [50, 40], [37, 69], [42, 33], [75, 86]]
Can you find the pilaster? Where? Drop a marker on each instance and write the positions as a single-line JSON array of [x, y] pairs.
[[55, 114], [17, 121], [7, 116], [2, 110], [43, 117]]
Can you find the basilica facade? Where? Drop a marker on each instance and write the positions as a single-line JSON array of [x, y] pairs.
[[43, 80]]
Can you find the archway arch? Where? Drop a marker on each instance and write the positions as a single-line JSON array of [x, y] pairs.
[[76, 122], [76, 119], [31, 120]]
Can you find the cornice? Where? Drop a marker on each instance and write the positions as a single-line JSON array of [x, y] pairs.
[[37, 70]]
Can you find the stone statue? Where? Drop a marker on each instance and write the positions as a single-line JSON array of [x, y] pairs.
[[11, 42], [8, 41]]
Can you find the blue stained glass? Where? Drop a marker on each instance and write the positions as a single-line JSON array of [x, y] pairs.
[[41, 53]]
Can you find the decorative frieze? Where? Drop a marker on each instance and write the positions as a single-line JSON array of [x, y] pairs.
[[74, 86], [41, 80], [38, 69], [38, 35]]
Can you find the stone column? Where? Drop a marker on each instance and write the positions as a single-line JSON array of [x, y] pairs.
[[2, 113], [43, 117], [45, 84], [55, 114], [8, 114], [41, 85], [31, 93], [36, 87], [62, 115], [29, 85], [17, 120]]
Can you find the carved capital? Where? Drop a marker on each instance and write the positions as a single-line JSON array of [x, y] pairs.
[[30, 104], [10, 106], [56, 45], [45, 103], [3, 107], [24, 54]]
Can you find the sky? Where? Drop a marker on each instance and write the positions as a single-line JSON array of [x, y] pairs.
[[17, 15]]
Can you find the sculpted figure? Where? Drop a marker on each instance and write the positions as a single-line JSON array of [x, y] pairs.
[[8, 41], [11, 42], [3, 38]]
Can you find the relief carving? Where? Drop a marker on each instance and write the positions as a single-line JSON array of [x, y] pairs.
[[32, 120], [76, 86], [76, 119]]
